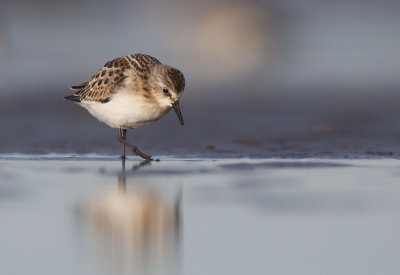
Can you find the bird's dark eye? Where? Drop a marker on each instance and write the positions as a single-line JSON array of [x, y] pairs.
[[165, 91]]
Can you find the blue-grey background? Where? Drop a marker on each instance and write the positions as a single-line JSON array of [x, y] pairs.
[[263, 77], [279, 93]]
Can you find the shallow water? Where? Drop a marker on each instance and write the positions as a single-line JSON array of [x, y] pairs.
[[66, 214]]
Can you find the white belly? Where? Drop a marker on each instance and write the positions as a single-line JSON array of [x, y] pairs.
[[125, 111]]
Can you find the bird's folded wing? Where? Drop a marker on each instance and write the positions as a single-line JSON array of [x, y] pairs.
[[104, 83]]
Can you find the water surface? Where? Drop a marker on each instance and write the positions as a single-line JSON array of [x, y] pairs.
[[67, 214]]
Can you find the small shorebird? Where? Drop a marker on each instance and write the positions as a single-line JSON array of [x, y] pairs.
[[129, 92]]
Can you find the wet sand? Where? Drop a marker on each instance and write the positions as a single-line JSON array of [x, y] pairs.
[[82, 214], [270, 124]]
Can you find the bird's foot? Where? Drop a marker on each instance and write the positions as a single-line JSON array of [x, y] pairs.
[[141, 154], [136, 151]]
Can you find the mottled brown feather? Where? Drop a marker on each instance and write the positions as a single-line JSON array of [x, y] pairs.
[[104, 83]]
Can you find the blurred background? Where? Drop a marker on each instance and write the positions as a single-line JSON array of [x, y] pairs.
[[263, 77]]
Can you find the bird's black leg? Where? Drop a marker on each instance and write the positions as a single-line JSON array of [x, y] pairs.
[[122, 133], [122, 139]]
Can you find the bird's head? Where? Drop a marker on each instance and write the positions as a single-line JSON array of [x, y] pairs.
[[167, 87]]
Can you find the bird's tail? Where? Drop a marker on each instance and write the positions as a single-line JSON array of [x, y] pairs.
[[74, 98], [79, 87]]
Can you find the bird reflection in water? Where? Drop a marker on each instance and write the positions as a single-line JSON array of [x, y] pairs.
[[136, 228]]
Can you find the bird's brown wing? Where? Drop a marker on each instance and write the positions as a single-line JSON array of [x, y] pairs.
[[102, 85]]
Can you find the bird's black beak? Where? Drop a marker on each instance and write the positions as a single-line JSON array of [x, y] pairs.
[[177, 110]]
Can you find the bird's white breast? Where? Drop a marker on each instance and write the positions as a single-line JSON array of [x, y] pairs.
[[125, 110]]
